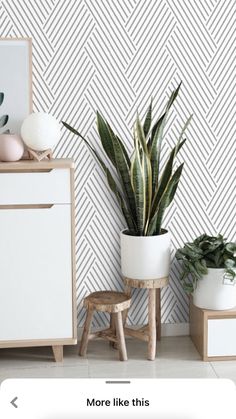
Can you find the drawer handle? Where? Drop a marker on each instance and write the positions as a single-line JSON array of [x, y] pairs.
[[26, 206]]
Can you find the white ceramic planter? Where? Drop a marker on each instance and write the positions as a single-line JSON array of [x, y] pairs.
[[215, 291], [145, 257]]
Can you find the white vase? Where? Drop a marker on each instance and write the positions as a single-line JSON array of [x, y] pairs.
[[145, 257], [215, 291]]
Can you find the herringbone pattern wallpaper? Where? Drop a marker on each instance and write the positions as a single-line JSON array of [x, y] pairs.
[[112, 55]]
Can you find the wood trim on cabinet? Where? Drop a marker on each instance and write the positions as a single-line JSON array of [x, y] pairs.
[[27, 206], [42, 342], [35, 166]]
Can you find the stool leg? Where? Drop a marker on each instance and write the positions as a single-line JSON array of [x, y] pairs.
[[152, 324], [158, 313], [86, 331], [120, 336], [113, 328]]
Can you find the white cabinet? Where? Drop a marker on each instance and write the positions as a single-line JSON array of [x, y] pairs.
[[213, 333], [37, 286]]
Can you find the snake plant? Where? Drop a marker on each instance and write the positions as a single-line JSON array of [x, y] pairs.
[[4, 118], [206, 252], [142, 190]]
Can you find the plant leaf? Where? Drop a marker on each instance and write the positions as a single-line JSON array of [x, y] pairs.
[[105, 137], [1, 98], [138, 185], [110, 179], [167, 197], [3, 120], [166, 175], [148, 120], [156, 140], [140, 135]]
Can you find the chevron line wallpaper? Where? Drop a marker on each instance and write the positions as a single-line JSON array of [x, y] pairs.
[[112, 55]]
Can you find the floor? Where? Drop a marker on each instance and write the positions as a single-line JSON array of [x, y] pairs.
[[176, 358]]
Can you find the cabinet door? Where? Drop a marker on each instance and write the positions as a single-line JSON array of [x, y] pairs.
[[35, 273]]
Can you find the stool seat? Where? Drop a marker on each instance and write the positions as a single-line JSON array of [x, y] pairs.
[[111, 302], [107, 301]]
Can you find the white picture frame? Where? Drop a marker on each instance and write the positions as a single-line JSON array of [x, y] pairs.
[[16, 81]]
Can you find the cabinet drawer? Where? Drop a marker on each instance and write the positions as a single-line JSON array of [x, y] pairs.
[[46, 187]]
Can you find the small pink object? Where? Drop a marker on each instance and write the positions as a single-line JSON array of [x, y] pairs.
[[11, 147]]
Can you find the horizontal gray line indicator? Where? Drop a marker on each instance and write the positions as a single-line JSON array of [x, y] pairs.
[[118, 382]]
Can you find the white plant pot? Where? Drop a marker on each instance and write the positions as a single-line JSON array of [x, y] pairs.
[[215, 291], [145, 257]]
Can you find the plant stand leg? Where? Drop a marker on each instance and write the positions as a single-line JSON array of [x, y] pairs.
[[128, 292], [120, 336], [113, 329], [152, 324], [158, 313], [86, 331], [58, 353]]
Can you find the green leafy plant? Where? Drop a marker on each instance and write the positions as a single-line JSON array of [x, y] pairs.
[[4, 118], [143, 193], [206, 252]]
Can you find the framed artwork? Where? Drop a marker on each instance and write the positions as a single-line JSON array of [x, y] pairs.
[[16, 80]]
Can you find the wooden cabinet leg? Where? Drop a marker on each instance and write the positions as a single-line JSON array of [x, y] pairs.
[[152, 324], [120, 336], [86, 331], [158, 313], [58, 353]]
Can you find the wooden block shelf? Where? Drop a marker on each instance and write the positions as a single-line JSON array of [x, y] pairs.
[[213, 333]]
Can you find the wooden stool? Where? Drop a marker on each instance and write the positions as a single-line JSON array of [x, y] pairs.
[[152, 331], [111, 302]]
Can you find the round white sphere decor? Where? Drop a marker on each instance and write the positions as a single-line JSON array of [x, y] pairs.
[[40, 131]]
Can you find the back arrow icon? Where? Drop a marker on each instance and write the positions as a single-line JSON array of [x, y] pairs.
[[13, 402]]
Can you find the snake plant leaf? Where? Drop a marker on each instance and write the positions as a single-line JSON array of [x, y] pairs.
[[3, 120], [182, 133], [157, 140], [105, 137], [1, 98], [124, 175], [130, 223], [111, 182], [138, 184], [111, 132], [148, 120], [166, 175], [140, 135], [147, 170], [165, 201]]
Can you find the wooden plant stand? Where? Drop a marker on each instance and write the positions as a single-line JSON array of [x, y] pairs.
[[152, 331], [111, 302]]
